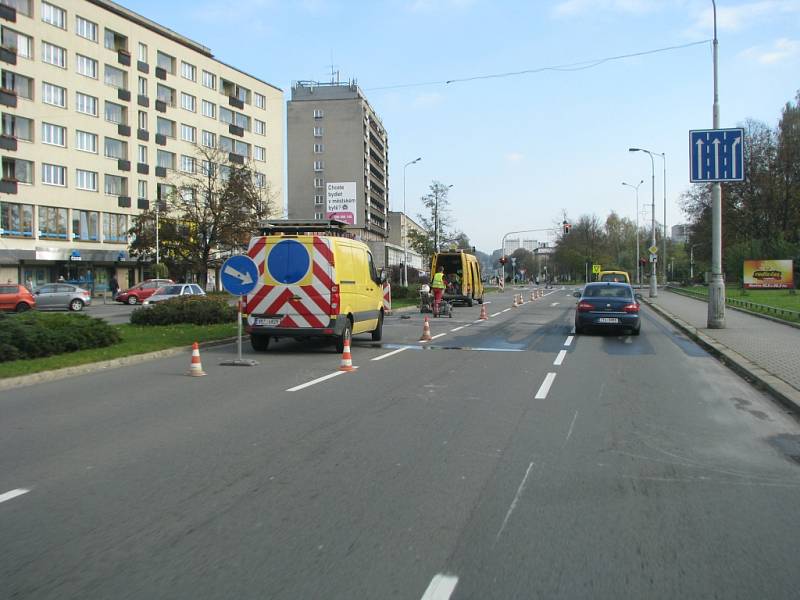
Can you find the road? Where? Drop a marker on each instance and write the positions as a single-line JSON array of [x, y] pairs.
[[505, 459]]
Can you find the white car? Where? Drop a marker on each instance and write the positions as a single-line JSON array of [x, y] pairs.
[[174, 290]]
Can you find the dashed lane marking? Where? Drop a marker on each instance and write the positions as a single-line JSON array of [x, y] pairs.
[[457, 329], [392, 353], [506, 310], [441, 587], [13, 494], [545, 387], [438, 336], [560, 358], [569, 340], [478, 321], [554, 304], [511, 508], [316, 381], [496, 314]]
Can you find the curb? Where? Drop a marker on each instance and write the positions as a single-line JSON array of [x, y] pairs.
[[745, 368], [10, 383]]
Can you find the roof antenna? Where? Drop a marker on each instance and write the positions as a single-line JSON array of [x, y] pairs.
[[334, 71]]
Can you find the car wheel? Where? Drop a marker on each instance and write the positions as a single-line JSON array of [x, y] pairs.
[[348, 332], [260, 343], [470, 302], [132, 300], [22, 307], [636, 331], [377, 334], [76, 305], [480, 300], [578, 329]]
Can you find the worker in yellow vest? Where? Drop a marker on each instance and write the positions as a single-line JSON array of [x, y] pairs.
[[438, 284]]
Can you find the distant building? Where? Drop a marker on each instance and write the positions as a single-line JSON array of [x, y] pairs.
[[510, 245], [680, 233], [400, 225], [530, 245]]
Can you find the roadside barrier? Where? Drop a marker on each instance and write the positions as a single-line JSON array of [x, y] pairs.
[[196, 367], [484, 316], [426, 332], [347, 359]]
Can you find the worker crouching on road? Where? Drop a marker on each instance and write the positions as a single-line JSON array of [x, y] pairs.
[[438, 284]]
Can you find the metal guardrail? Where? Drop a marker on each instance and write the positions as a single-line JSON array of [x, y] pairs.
[[784, 313]]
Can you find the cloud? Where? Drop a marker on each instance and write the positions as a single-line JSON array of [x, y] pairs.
[[577, 8], [780, 50], [515, 157], [742, 16], [427, 100]]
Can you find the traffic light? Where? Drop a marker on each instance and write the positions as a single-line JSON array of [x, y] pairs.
[[503, 260], [566, 227]]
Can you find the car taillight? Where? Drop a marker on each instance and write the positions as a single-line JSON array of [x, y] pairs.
[[631, 308], [334, 300], [585, 307]]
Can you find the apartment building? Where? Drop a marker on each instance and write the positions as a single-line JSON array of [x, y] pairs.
[[338, 158], [101, 107]]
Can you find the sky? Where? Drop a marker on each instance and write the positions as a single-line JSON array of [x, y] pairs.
[[521, 151]]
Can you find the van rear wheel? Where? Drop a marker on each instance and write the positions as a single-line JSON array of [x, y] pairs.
[[260, 343], [348, 332], [377, 333]]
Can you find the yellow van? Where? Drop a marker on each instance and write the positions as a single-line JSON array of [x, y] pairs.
[[614, 277], [463, 274], [314, 281]]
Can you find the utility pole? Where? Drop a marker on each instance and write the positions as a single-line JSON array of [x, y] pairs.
[[404, 223], [653, 275], [638, 267]]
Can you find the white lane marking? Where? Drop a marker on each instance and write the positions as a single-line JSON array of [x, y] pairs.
[[560, 358], [554, 304], [478, 321], [571, 425], [569, 340], [456, 329], [506, 310], [316, 381], [511, 508], [13, 494], [495, 314], [545, 387], [392, 353], [468, 325], [488, 302], [441, 587], [438, 336]]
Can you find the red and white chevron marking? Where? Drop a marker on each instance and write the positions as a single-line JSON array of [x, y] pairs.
[[300, 305]]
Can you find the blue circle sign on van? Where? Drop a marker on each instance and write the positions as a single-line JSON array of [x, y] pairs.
[[288, 261]]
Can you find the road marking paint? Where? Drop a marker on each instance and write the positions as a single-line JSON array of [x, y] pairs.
[[13, 494], [438, 336], [560, 358], [316, 381], [571, 425], [457, 329], [392, 353], [506, 310], [569, 340], [468, 325], [496, 314], [441, 587], [554, 304], [478, 321], [545, 387], [487, 302], [511, 508]]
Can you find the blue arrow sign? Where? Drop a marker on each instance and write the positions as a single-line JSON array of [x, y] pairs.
[[716, 155], [239, 275]]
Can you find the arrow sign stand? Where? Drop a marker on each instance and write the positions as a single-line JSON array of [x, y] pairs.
[[239, 361], [239, 274]]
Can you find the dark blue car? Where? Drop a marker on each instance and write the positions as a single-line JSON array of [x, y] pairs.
[[607, 306]]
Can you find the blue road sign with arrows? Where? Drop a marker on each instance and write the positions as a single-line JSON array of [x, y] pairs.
[[716, 155], [239, 275]]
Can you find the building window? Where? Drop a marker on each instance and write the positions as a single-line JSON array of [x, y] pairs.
[[166, 62], [141, 189], [318, 148], [18, 127], [225, 115], [54, 94], [16, 169], [188, 102], [319, 199], [86, 180], [116, 185], [259, 153], [209, 140], [85, 224], [241, 148], [54, 15], [16, 219], [54, 55], [115, 41], [86, 66], [260, 180], [225, 144], [259, 100], [86, 104], [142, 87], [260, 127], [23, 7], [187, 164], [52, 222], [115, 227], [318, 182], [115, 77], [86, 29], [115, 149], [23, 86], [165, 159], [17, 42], [208, 109], [317, 131], [318, 114], [319, 165], [115, 113], [85, 141], [188, 133], [142, 122], [209, 80], [233, 90], [55, 135], [165, 94], [142, 56], [165, 127], [141, 155], [54, 175], [319, 216], [188, 71]]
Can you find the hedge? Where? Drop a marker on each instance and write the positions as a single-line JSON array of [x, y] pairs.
[[34, 334], [199, 310]]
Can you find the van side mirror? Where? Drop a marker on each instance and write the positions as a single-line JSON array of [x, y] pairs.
[[383, 276]]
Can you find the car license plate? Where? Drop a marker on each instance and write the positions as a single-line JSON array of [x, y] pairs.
[[608, 320], [271, 322]]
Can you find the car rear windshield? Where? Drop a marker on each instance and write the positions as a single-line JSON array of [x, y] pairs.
[[607, 291], [169, 290], [614, 277]]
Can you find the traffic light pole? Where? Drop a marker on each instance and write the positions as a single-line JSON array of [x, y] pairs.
[[503, 243]]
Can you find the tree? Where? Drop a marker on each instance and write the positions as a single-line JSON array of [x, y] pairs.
[[204, 215], [434, 226]]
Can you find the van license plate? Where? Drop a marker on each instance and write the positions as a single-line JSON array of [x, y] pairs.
[[274, 322], [608, 320]]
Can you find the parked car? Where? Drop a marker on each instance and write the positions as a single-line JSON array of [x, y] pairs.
[[607, 306], [60, 296], [14, 296], [173, 291], [141, 291]]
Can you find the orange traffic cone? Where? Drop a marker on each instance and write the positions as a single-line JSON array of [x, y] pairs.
[[533, 296], [196, 367], [484, 316], [347, 359], [426, 332]]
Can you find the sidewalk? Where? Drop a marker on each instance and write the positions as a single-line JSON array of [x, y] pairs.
[[763, 350]]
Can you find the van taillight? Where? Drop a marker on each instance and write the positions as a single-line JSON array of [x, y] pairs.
[[334, 300], [585, 307]]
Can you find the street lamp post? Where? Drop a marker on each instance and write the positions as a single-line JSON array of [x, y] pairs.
[[653, 275], [638, 267], [404, 224]]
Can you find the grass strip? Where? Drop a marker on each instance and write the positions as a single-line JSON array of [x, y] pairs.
[[759, 300], [136, 339]]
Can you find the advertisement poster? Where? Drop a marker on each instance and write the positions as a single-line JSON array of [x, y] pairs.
[[768, 274], [341, 202]]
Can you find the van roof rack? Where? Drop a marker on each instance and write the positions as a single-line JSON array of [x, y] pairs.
[[301, 227]]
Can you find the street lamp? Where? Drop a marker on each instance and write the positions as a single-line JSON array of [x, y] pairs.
[[404, 225], [638, 267], [653, 276]]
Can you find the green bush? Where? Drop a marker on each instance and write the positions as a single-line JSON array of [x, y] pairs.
[[34, 334], [199, 310]]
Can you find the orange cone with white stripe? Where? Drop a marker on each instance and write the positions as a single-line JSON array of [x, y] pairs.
[[483, 316], [533, 296], [426, 332], [347, 359], [515, 301], [196, 367]]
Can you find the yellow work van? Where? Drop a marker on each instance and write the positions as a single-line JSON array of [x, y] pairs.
[[463, 274], [614, 277], [315, 281]]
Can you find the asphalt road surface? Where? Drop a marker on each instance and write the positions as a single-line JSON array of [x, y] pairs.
[[505, 459]]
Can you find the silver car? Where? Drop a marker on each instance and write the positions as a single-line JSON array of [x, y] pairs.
[[61, 296], [173, 291]]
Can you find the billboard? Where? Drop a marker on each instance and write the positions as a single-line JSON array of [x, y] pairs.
[[341, 202], [768, 274]]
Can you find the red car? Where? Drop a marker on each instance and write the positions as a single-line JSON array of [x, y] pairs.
[[14, 296], [141, 291]]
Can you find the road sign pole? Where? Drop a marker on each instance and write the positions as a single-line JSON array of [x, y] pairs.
[[239, 329], [239, 275], [716, 287]]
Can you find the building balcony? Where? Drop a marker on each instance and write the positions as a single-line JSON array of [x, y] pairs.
[[161, 139], [8, 97], [161, 106], [143, 135], [161, 171], [234, 101], [124, 201], [235, 130], [8, 186], [142, 169], [236, 158], [124, 130], [124, 58], [124, 95], [142, 67], [142, 203], [8, 13], [161, 73], [8, 143], [123, 165], [8, 55], [142, 100]]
